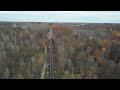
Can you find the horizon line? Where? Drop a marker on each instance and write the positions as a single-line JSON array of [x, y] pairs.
[[57, 22]]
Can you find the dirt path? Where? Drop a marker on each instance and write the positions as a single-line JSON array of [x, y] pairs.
[[44, 65]]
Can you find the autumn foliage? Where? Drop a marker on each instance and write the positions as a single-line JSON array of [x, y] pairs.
[[116, 34], [62, 28]]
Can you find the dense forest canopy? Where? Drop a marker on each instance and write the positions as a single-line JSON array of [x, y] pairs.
[[82, 51]]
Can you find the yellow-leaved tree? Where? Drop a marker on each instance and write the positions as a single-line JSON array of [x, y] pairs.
[[66, 75]]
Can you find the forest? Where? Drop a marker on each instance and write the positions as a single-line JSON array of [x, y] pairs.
[[82, 51]]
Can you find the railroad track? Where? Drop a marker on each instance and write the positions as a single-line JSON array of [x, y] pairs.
[[51, 56], [51, 60]]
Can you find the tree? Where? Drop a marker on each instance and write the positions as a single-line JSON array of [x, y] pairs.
[[78, 76], [89, 50], [89, 75], [115, 52], [73, 76], [66, 75]]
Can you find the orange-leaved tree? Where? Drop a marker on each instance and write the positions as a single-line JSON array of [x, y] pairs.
[[61, 29]]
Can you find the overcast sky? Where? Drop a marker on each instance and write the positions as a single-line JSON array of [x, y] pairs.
[[61, 16]]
